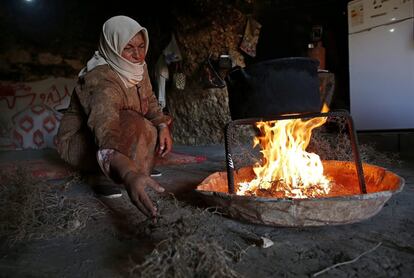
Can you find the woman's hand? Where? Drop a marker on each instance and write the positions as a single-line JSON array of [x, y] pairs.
[[135, 185], [164, 141]]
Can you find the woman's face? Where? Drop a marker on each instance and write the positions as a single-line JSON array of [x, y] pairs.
[[134, 51]]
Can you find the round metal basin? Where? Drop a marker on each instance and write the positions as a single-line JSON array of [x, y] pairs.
[[343, 205]]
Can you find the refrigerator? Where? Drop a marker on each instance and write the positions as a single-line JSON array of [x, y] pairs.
[[381, 64]]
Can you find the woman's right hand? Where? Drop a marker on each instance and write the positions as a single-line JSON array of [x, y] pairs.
[[135, 185]]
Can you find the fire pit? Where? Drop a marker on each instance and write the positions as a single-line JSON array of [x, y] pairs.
[[312, 193], [343, 204], [287, 185]]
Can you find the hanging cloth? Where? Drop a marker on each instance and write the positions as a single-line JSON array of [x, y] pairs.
[[162, 75], [172, 52], [251, 37]]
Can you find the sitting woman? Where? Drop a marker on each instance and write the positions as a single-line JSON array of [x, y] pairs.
[[114, 125]]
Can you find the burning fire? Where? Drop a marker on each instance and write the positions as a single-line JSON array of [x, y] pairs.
[[287, 167]]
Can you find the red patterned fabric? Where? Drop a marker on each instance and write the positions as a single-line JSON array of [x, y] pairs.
[[29, 115], [35, 128]]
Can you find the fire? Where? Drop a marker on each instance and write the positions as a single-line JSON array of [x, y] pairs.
[[287, 167]]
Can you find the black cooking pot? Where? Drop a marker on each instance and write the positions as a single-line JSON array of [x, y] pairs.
[[274, 87]]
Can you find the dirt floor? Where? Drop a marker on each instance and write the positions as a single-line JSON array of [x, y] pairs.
[[110, 238]]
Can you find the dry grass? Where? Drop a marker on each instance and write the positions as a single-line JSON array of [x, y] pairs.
[[186, 256], [338, 147], [33, 209], [191, 244]]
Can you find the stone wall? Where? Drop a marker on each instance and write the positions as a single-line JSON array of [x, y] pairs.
[[25, 64], [200, 114]]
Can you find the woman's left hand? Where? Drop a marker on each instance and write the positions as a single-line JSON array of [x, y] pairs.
[[164, 141]]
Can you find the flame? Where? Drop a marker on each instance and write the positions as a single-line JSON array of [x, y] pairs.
[[287, 167]]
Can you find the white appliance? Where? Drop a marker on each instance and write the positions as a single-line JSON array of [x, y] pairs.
[[381, 64]]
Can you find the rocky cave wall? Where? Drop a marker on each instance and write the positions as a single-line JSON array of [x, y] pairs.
[[200, 113], [25, 64]]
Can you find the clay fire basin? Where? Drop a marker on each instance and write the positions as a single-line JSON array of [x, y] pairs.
[[343, 205]]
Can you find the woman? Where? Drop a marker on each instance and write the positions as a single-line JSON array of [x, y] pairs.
[[114, 123]]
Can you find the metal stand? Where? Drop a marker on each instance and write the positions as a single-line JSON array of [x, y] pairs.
[[355, 149]]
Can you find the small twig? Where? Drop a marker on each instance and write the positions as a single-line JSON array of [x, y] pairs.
[[346, 262], [238, 255], [212, 210], [174, 198]]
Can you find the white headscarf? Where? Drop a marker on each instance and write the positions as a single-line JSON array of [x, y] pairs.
[[116, 33]]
